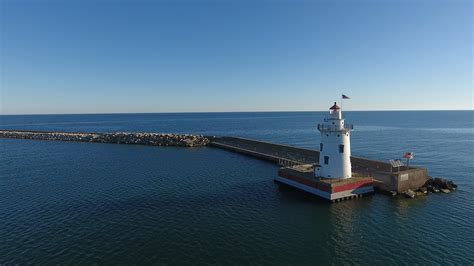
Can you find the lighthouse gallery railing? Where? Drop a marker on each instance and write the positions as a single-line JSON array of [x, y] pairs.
[[345, 127]]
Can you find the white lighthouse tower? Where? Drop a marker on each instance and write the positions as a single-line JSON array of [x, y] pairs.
[[335, 146]]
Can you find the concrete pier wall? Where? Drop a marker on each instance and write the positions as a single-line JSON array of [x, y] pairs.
[[265, 150], [412, 179]]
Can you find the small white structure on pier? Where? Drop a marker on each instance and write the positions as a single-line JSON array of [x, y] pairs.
[[335, 146]]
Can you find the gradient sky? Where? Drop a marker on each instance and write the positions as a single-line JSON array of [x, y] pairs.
[[195, 56]]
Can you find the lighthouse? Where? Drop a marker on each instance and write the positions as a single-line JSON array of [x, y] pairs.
[[331, 177], [335, 146]]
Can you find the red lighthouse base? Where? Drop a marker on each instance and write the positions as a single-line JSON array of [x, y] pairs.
[[302, 177]]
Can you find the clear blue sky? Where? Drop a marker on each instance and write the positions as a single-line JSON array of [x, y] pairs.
[[192, 56]]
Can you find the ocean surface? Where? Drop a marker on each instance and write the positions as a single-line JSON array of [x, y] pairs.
[[90, 203]]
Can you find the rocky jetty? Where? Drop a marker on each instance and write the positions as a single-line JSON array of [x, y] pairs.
[[151, 139], [438, 184], [433, 185]]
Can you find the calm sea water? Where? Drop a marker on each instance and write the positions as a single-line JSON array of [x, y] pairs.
[[85, 203]]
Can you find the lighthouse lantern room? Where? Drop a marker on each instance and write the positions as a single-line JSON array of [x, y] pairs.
[[335, 146]]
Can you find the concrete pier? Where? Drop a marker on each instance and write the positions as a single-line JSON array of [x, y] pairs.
[[265, 150], [385, 178], [303, 178]]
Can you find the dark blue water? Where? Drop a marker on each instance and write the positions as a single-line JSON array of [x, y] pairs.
[[84, 203]]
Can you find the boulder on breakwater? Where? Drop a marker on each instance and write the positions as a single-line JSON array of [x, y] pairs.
[[433, 185], [151, 139], [440, 184]]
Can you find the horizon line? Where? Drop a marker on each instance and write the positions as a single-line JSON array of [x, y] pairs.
[[207, 112]]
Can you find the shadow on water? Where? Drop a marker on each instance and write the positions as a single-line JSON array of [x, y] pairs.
[[292, 194]]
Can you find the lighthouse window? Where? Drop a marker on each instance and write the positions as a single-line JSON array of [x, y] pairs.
[[326, 159], [341, 148], [320, 147]]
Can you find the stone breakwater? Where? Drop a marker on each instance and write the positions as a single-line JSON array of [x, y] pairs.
[[151, 139]]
